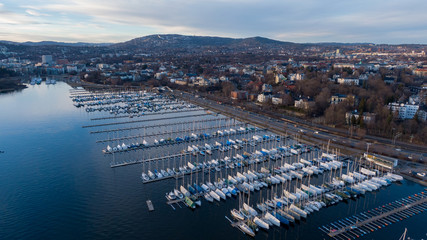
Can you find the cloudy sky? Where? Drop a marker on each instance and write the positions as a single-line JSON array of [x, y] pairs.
[[377, 21]]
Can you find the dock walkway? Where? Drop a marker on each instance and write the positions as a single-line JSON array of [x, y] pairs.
[[382, 217]]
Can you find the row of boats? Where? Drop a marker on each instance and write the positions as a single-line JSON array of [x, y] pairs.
[[38, 81], [305, 200], [193, 137], [237, 161], [247, 181]]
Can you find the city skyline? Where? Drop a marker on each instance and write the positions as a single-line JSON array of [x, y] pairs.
[[393, 22]]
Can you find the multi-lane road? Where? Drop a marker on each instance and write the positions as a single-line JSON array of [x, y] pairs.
[[316, 134]]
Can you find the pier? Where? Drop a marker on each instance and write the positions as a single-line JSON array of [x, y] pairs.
[[377, 218], [159, 125], [165, 133], [147, 114], [144, 120]]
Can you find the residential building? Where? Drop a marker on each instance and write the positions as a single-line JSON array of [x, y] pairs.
[[277, 100], [367, 117], [304, 104], [262, 98], [405, 111], [337, 98], [47, 59], [267, 88], [348, 81], [239, 95]]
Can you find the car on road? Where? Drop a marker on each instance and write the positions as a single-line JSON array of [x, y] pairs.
[[316, 132]]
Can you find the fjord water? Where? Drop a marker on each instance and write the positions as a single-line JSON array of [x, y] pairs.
[[56, 184]]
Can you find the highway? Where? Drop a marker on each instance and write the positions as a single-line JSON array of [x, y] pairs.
[[313, 133]]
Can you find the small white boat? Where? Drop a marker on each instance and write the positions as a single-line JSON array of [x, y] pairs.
[[220, 193], [184, 191], [208, 197], [215, 196], [272, 219], [237, 215], [248, 208], [261, 223], [178, 193], [170, 196], [246, 229]]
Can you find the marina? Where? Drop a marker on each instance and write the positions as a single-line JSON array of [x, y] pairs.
[[213, 167], [257, 179]]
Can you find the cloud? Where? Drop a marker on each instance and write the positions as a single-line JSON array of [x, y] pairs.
[[300, 21], [35, 13]]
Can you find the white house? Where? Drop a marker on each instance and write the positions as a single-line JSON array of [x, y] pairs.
[[405, 111]]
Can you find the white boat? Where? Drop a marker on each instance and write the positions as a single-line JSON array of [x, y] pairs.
[[205, 187], [237, 215], [211, 186], [246, 229], [395, 176], [261, 223], [124, 146], [109, 149], [298, 210], [248, 208], [178, 193], [145, 177], [272, 219], [164, 173], [208, 197], [226, 192], [151, 174], [191, 166], [170, 196], [220, 193], [214, 195], [184, 191]]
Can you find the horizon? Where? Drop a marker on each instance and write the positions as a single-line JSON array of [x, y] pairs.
[[192, 35], [307, 21]]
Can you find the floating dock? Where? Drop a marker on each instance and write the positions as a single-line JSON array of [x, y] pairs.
[[159, 125], [150, 205], [144, 120], [377, 218], [146, 114]]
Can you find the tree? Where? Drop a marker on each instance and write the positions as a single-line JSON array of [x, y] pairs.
[[322, 101], [353, 120], [227, 88]]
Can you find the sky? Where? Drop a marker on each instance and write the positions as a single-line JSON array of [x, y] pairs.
[[110, 21]]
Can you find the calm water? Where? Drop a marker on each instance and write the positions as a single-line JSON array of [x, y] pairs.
[[56, 184]]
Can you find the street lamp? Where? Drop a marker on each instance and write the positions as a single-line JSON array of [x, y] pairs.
[[367, 147]]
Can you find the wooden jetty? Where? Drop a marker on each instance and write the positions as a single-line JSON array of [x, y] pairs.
[[381, 218], [143, 120], [165, 133], [158, 125], [147, 114]]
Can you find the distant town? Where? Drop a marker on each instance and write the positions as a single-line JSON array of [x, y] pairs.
[[363, 88]]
